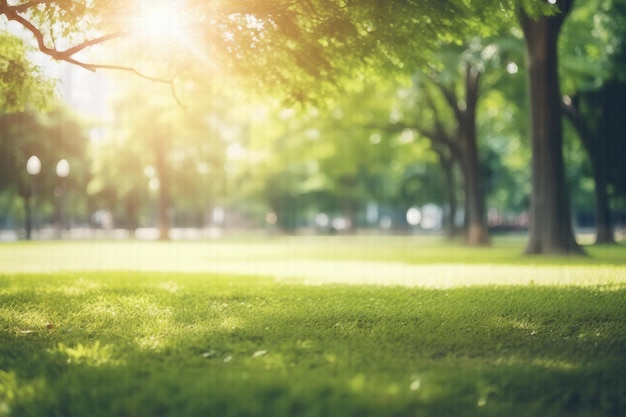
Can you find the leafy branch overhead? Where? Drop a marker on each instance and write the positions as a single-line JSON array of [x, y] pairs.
[[286, 45], [52, 22]]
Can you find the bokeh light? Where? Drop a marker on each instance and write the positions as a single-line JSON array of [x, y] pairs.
[[63, 168], [413, 216]]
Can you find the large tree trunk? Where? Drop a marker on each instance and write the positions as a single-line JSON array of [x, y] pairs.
[[551, 227]]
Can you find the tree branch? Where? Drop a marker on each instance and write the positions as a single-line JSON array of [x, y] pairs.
[[75, 49], [575, 117], [67, 54], [140, 74], [472, 90], [440, 135], [451, 99], [434, 136], [439, 129], [12, 13]]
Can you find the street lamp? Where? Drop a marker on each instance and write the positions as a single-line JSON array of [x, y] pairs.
[[62, 171], [33, 167], [63, 168]]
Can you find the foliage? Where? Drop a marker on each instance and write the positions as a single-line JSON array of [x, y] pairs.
[[21, 82], [590, 45], [302, 50]]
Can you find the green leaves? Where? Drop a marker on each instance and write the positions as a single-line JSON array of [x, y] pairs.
[[21, 82]]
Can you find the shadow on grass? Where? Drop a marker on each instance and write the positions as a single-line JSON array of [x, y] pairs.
[[150, 345]]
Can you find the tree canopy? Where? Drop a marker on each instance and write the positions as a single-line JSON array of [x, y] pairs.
[[294, 46]]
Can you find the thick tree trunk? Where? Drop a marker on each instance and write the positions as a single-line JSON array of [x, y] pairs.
[[551, 226]]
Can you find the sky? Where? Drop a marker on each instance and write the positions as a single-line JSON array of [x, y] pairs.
[[84, 91]]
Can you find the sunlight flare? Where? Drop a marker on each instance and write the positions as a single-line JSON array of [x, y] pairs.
[[161, 19]]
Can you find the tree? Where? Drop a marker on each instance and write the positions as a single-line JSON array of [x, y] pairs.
[[596, 149], [461, 143], [427, 119], [551, 225], [594, 91], [596, 119], [444, 108], [551, 228]]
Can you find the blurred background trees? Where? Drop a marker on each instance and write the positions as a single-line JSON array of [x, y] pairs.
[[318, 115], [44, 186]]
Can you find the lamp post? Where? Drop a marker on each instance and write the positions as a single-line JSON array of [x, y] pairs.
[[62, 171], [33, 167]]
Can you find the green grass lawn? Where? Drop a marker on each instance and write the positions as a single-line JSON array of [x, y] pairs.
[[310, 327]]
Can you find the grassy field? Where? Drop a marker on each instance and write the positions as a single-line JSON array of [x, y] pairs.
[[310, 327]]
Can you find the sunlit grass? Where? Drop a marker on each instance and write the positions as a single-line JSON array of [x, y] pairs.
[[410, 261], [99, 341]]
